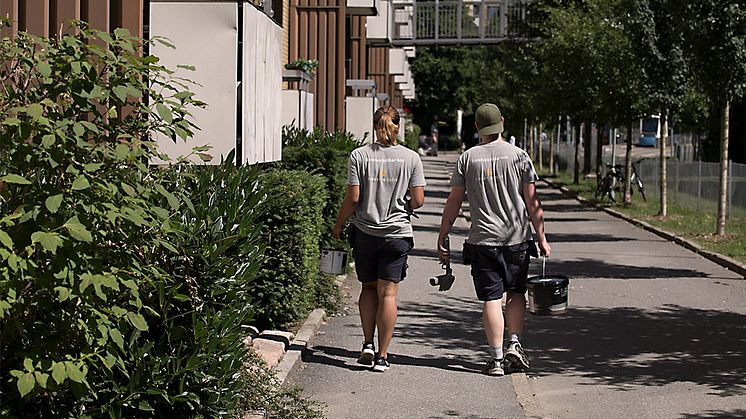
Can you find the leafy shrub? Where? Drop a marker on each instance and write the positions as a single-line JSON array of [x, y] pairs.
[[266, 397], [325, 154], [291, 218], [293, 136], [451, 142], [196, 355], [122, 289], [309, 66], [412, 136]]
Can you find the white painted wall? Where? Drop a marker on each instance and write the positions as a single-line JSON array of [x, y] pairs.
[[359, 116], [211, 47], [262, 88], [297, 108]]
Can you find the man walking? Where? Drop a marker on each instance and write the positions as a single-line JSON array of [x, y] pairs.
[[499, 179]]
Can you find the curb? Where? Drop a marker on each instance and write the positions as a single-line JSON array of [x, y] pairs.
[[721, 260], [293, 357]]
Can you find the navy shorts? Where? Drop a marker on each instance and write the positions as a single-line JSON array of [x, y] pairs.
[[496, 269], [380, 257]]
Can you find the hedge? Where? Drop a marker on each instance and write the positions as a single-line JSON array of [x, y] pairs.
[[292, 222]]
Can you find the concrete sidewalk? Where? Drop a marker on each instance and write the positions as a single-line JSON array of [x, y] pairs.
[[654, 330]]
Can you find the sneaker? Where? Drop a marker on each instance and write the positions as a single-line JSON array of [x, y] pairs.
[[516, 357], [494, 367], [366, 355], [381, 365]]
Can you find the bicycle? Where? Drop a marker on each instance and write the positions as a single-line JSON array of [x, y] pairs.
[[613, 181]]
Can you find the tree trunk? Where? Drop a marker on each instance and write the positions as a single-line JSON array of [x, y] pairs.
[[600, 153], [587, 152], [531, 143], [553, 150], [628, 165], [663, 167], [723, 195], [576, 170], [541, 147]]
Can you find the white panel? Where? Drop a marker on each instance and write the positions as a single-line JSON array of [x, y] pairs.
[[262, 88], [397, 61], [211, 47], [297, 109], [377, 27], [359, 116]]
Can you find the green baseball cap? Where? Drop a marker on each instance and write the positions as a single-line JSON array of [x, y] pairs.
[[489, 119]]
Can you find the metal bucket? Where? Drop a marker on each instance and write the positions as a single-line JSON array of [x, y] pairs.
[[333, 261], [547, 294]]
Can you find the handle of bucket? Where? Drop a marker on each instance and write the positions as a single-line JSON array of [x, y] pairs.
[[543, 265]]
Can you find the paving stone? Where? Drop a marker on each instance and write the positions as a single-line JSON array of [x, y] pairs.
[[269, 350], [278, 336]]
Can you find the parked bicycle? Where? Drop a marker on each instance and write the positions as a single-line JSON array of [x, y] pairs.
[[613, 183]]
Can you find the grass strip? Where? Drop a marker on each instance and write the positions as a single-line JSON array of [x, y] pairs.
[[688, 218]]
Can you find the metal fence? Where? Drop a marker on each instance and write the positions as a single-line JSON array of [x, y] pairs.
[[693, 185]]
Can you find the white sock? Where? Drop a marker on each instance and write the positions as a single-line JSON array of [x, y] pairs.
[[496, 352], [513, 337]]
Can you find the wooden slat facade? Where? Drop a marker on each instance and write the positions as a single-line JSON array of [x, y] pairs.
[[357, 60], [378, 70], [49, 17], [318, 31]]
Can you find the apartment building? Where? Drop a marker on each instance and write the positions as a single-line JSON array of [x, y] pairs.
[[239, 50]]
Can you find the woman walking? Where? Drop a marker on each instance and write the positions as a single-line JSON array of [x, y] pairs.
[[385, 182]]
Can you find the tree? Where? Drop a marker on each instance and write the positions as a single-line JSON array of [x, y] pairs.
[[588, 66], [450, 78], [659, 42], [718, 54]]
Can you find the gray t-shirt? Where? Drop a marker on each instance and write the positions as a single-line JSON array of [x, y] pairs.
[[493, 175], [384, 174]]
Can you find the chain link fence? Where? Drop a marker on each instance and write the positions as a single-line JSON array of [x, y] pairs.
[[693, 185]]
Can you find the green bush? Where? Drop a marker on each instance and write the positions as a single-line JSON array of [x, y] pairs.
[[197, 350], [291, 218], [325, 154], [82, 228], [451, 142], [412, 137], [123, 289]]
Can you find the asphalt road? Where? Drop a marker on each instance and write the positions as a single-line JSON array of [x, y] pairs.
[[653, 331]]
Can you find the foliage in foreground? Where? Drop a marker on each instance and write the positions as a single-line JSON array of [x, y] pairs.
[[122, 289]]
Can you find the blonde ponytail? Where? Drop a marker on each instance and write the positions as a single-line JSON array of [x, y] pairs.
[[386, 124]]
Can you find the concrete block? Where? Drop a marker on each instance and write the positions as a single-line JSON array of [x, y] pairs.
[[269, 350], [278, 336]]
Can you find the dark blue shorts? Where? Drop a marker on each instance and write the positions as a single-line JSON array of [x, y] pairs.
[[496, 269], [380, 257]]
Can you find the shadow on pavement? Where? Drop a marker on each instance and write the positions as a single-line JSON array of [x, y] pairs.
[[567, 219], [344, 358], [455, 231], [433, 254], [597, 268], [585, 238], [632, 346], [575, 207], [436, 194], [717, 414]]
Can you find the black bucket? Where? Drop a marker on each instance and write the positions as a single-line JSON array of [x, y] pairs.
[[547, 294]]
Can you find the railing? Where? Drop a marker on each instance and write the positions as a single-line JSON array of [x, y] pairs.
[[694, 185], [456, 21]]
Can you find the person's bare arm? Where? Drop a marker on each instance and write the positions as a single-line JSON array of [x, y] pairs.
[[450, 213], [352, 196], [416, 197], [536, 213]]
